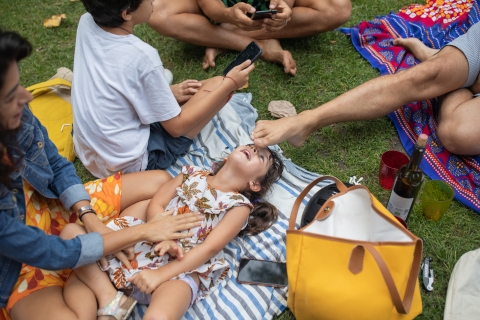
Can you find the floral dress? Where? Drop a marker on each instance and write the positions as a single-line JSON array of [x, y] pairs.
[[194, 195]]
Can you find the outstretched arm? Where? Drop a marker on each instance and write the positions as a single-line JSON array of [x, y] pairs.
[[221, 235], [444, 72]]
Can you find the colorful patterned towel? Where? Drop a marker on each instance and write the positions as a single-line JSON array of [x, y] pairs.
[[436, 23]]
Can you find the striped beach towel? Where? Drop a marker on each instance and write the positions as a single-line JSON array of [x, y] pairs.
[[227, 130]]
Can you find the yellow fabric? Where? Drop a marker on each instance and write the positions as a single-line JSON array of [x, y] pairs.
[[321, 286], [52, 107]]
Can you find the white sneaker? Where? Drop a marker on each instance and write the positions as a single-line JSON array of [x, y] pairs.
[[169, 76]]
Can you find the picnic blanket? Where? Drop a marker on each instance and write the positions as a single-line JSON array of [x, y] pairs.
[[227, 130], [436, 23]]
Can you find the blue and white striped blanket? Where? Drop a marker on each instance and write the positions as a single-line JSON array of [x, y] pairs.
[[229, 129]]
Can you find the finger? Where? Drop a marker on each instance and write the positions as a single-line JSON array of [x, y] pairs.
[[123, 258], [245, 7], [273, 4], [167, 213], [133, 279], [189, 217], [103, 263], [179, 235], [129, 253]]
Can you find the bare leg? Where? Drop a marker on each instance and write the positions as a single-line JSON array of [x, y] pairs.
[[416, 47], [91, 275], [55, 303], [459, 117], [444, 72], [139, 186], [170, 300], [184, 21]]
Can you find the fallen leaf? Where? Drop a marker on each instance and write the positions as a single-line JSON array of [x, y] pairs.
[[54, 21], [333, 41]]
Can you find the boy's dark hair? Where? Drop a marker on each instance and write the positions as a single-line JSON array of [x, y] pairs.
[[108, 13], [264, 214], [13, 48]]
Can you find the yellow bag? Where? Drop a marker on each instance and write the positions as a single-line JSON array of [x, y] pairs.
[[51, 105], [353, 261]]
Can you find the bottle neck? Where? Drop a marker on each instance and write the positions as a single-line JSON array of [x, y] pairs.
[[416, 158]]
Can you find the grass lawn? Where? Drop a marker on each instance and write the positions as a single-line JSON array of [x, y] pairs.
[[328, 65]]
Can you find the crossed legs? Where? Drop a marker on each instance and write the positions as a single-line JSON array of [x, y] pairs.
[[184, 20]]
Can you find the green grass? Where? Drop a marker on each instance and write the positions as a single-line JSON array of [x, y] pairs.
[[328, 65]]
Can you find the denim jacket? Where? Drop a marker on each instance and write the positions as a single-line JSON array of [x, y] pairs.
[[53, 177]]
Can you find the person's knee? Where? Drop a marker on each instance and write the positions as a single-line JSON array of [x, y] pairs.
[[71, 230], [342, 10], [158, 178], [454, 137]]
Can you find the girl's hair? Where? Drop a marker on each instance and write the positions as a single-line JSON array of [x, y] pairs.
[[264, 214], [108, 13], [13, 48]]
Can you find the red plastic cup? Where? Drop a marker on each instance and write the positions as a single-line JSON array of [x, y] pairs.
[[390, 162]]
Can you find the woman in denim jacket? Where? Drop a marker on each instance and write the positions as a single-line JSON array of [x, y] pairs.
[[38, 185]]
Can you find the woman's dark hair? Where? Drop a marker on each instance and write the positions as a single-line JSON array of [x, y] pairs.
[[13, 48], [264, 214], [108, 13]]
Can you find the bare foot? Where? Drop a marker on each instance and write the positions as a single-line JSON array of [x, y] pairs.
[[273, 51], [416, 47], [294, 130], [209, 57]]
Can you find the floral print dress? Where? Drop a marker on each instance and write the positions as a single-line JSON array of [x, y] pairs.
[[194, 195]]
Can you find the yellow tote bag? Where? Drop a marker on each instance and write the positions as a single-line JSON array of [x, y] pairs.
[[353, 261], [51, 105]]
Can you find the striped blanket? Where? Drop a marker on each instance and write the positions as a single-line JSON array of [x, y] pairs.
[[435, 23], [227, 130]]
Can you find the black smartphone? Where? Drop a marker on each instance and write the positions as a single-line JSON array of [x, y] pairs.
[[261, 272], [262, 14], [252, 52]]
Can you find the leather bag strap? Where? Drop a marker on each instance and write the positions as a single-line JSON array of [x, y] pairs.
[[293, 217], [401, 305], [50, 83]]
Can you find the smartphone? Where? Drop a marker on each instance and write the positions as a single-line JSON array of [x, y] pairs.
[[252, 52], [261, 272], [261, 14]]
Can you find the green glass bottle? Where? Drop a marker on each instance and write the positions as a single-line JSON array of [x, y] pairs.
[[408, 182]]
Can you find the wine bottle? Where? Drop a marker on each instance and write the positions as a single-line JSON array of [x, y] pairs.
[[408, 182]]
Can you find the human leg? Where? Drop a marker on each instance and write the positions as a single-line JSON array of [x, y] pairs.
[[459, 117], [184, 21], [140, 186], [171, 299], [442, 73]]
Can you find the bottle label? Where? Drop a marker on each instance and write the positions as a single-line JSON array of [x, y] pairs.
[[399, 206]]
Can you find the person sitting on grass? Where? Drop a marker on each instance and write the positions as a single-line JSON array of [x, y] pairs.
[[40, 193], [231, 200], [223, 25], [452, 74], [127, 117]]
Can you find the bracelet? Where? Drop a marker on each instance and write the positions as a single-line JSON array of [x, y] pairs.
[[84, 213], [238, 87]]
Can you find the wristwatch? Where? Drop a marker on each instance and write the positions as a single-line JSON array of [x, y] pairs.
[[84, 210]]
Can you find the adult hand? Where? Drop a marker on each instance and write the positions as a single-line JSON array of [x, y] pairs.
[[280, 19], [185, 90], [240, 73], [165, 226], [146, 280], [93, 224], [238, 17]]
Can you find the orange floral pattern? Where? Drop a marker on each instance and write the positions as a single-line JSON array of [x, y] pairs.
[[439, 10], [50, 216]]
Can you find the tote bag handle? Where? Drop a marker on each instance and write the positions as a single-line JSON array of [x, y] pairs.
[[293, 217]]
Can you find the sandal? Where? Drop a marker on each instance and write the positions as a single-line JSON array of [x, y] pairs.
[[114, 309]]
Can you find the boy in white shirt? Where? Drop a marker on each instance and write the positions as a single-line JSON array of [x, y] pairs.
[[126, 116]]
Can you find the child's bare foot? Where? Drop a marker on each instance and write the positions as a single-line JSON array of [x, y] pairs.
[[209, 57], [416, 47], [273, 51]]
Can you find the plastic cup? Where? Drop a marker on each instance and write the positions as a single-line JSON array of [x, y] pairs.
[[390, 162], [436, 198]]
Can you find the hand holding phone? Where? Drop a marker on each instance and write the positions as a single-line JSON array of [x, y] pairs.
[[252, 52], [261, 14], [266, 273]]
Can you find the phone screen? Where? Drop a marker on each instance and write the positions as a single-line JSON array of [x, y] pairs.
[[252, 52], [262, 272]]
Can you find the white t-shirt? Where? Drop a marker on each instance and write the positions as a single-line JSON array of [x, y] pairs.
[[119, 88]]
